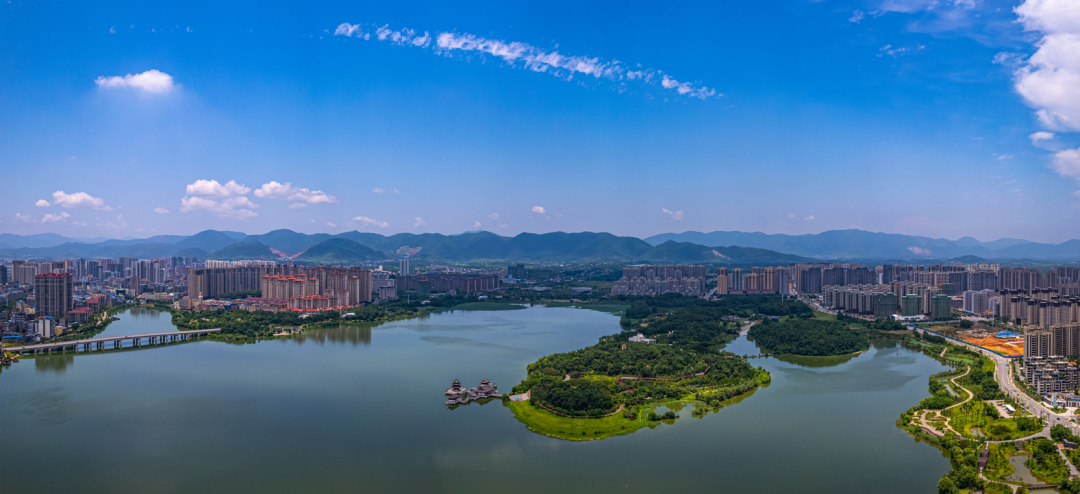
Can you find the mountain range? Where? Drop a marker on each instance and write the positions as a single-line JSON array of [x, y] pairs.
[[717, 247], [860, 244], [356, 247]]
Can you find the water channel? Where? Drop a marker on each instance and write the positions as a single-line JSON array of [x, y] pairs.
[[360, 409]]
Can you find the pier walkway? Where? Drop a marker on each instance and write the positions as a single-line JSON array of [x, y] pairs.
[[117, 341]]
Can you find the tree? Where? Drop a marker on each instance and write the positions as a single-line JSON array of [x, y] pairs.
[[947, 486], [966, 324]]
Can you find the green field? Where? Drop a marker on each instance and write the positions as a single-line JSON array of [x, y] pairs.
[[823, 316], [572, 429]]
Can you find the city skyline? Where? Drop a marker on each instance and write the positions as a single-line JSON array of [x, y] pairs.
[[938, 119]]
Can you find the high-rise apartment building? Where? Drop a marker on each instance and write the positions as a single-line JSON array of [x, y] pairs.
[[911, 305], [54, 294], [941, 308]]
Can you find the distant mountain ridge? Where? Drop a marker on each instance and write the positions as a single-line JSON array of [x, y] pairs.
[[860, 244], [357, 247], [730, 247]]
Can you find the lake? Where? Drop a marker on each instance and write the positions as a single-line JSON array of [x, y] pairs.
[[361, 409]]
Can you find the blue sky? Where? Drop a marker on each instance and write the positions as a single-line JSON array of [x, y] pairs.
[[942, 118]]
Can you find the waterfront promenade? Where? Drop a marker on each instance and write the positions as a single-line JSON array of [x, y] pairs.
[[135, 340]]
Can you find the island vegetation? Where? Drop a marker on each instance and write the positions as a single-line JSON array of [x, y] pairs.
[[615, 386], [808, 337]]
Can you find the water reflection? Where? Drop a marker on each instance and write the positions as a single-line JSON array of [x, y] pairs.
[[354, 335], [53, 363]]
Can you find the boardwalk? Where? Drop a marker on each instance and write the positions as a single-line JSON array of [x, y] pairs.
[[136, 340]]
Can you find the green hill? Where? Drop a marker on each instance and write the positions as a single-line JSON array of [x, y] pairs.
[[243, 250], [338, 251]]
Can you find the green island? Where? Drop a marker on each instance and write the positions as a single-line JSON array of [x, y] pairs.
[[615, 386], [809, 337]]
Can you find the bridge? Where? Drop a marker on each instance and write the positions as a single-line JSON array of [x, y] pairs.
[[117, 341]]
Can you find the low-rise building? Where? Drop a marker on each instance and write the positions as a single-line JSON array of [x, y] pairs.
[[1053, 374]]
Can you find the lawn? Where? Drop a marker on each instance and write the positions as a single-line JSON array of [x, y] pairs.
[[823, 316], [574, 429]]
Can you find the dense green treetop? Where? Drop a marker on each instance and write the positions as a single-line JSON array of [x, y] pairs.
[[576, 397], [810, 337]]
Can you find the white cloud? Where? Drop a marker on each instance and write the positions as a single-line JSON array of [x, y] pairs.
[[856, 16], [161, 211], [54, 218], [365, 221], [120, 224], [23, 217], [396, 191], [213, 188], [419, 222], [331, 225], [675, 215], [494, 216], [503, 226], [1005, 157], [299, 197], [1050, 80], [899, 51], [378, 190], [78, 199], [809, 218], [919, 250], [78, 223], [525, 56], [151, 81], [1067, 163], [476, 224], [1041, 136], [230, 207], [42, 203], [539, 210]]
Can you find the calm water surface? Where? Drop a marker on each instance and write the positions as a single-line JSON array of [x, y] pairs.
[[360, 410]]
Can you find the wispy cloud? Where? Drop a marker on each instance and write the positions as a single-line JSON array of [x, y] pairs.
[[419, 222], [809, 218], [55, 218], [898, 51], [331, 225], [378, 190], [23, 217], [161, 211], [539, 210], [675, 215], [856, 16], [526, 56], [365, 221], [151, 81]]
